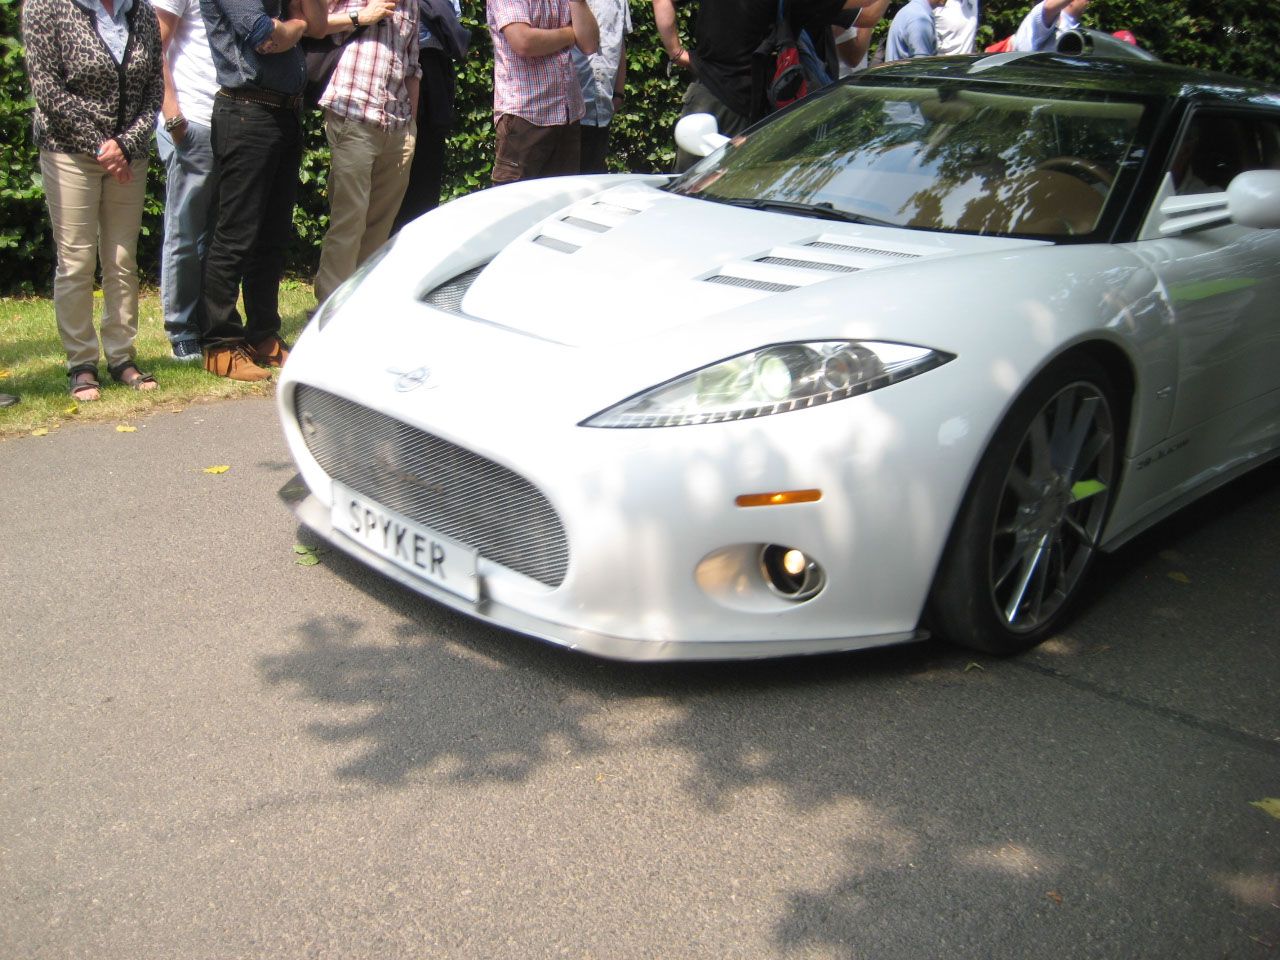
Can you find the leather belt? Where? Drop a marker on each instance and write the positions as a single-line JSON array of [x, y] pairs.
[[263, 98]]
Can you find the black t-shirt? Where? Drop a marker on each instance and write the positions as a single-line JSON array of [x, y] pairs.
[[727, 33]]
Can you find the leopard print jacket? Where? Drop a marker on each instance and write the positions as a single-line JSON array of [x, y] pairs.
[[83, 97]]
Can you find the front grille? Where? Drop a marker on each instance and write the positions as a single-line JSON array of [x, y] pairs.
[[435, 483]]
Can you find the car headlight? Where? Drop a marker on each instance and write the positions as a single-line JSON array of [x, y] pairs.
[[774, 379], [327, 310]]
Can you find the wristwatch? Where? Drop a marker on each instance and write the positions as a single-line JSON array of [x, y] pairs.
[[355, 18]]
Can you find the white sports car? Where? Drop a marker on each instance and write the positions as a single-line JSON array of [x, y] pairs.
[[900, 359]]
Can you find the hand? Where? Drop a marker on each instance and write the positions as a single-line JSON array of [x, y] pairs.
[[376, 10], [112, 159]]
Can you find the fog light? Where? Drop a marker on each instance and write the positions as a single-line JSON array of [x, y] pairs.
[[790, 573]]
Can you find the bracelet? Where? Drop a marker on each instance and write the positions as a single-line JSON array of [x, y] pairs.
[[174, 122], [355, 18]]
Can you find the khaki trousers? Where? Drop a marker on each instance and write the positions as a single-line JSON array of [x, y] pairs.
[[367, 178], [94, 218]]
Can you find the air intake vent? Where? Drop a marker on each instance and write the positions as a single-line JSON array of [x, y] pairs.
[[808, 264], [615, 209], [448, 296], [750, 284], [870, 251], [556, 244], [586, 224]]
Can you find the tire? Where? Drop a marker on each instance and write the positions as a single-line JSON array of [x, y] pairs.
[[1028, 529]]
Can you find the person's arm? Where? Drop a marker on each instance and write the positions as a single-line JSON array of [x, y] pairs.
[[586, 32], [1051, 10], [870, 15], [527, 41], [169, 107], [620, 78], [664, 16], [45, 74], [338, 18]]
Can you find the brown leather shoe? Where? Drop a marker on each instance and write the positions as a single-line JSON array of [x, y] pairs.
[[233, 361], [270, 352]]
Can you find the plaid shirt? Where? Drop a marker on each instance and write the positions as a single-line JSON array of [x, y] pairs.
[[368, 85], [542, 90]]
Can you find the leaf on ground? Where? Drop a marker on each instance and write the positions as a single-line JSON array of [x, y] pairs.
[[5, 374], [1180, 577], [39, 432], [307, 560], [176, 410], [71, 409], [121, 428], [1055, 896], [221, 469], [303, 548], [1270, 804], [973, 665]]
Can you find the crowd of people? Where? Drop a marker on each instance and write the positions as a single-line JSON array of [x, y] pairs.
[[221, 83]]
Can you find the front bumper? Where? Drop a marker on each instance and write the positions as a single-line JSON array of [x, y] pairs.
[[316, 515]]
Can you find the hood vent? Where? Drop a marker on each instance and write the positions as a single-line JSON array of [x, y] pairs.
[[870, 251], [766, 285], [448, 296], [555, 243], [586, 224], [808, 264], [615, 209]]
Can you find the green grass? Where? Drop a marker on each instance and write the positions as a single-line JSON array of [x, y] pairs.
[[33, 365]]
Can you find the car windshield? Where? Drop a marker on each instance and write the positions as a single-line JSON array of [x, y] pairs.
[[990, 159]]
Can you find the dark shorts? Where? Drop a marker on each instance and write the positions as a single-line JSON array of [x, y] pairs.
[[526, 151]]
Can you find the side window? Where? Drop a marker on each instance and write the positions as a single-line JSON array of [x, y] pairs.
[[1215, 148]]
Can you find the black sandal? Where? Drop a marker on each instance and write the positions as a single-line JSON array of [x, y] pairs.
[[136, 382], [78, 385]]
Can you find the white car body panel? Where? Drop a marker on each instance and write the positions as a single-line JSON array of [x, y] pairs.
[[663, 564]]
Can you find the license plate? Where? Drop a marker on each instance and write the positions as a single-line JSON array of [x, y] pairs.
[[409, 545]]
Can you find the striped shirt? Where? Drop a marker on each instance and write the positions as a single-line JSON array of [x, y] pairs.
[[542, 90], [368, 85]]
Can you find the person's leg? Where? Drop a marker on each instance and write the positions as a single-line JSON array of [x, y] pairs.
[[435, 117], [266, 261], [246, 147], [524, 149], [387, 182], [189, 188], [564, 150], [353, 152], [595, 148], [73, 190], [119, 223]]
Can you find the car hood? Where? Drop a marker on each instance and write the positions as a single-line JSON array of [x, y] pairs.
[[635, 262]]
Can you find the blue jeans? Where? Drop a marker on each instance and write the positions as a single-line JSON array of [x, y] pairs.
[[190, 183]]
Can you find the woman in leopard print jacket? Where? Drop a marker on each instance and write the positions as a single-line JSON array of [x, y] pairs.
[[95, 71]]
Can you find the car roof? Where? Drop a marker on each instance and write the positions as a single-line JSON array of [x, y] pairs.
[[1143, 78]]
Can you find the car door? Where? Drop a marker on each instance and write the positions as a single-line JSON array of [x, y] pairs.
[[1222, 285]]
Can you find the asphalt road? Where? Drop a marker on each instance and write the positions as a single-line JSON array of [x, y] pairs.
[[207, 750]]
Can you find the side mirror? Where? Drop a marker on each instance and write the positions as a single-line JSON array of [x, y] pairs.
[[1252, 199], [698, 134]]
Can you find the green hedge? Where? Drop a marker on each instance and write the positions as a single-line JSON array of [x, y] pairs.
[[1240, 37]]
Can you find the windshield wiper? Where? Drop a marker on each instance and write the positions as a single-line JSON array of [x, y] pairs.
[[823, 211]]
